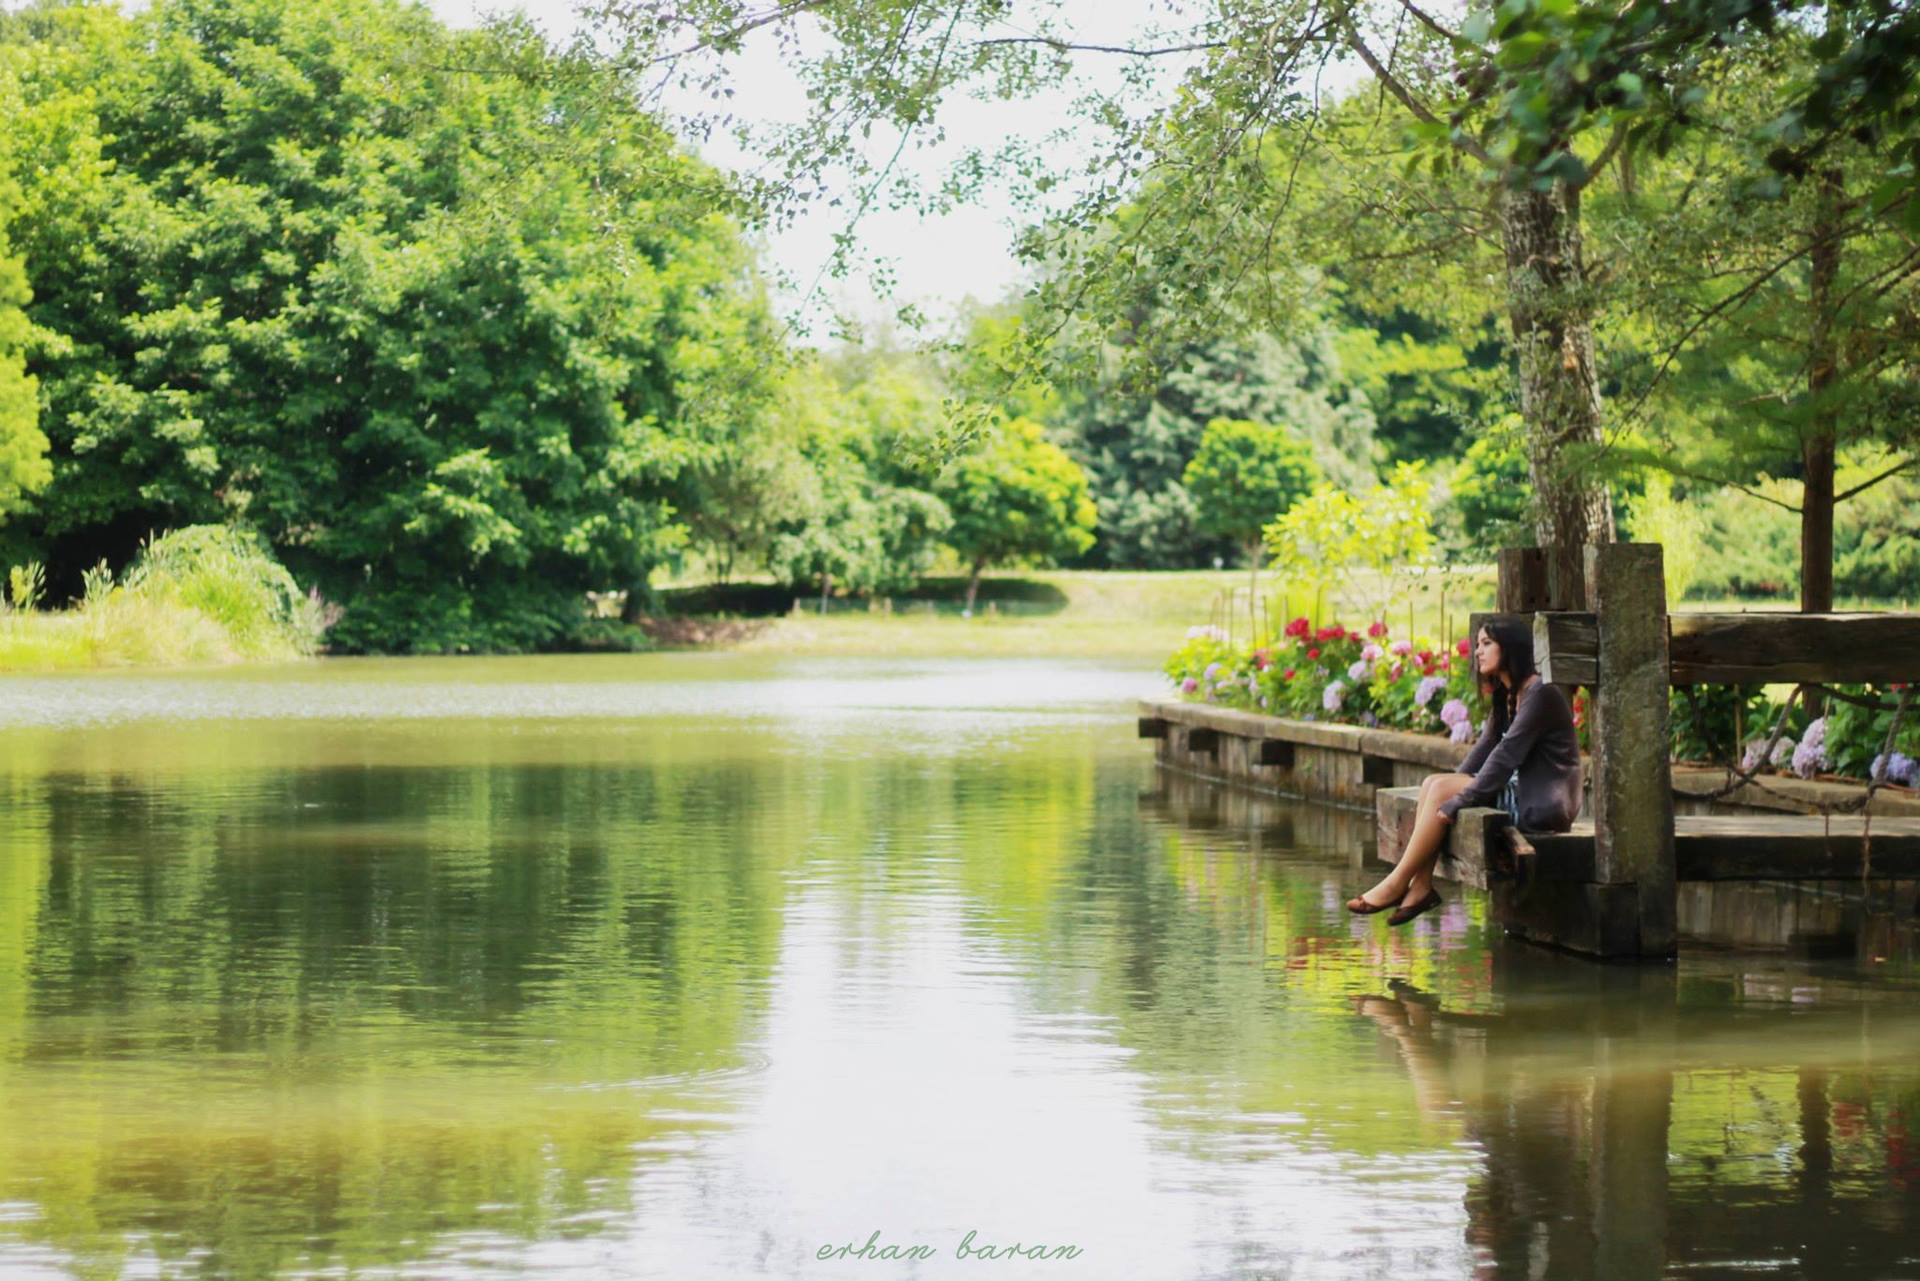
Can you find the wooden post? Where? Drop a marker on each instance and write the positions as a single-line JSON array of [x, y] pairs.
[[1523, 581], [1632, 780]]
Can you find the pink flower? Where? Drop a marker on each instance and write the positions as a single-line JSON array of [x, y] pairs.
[[1401, 647], [1376, 629], [1463, 648], [1299, 627], [1287, 675]]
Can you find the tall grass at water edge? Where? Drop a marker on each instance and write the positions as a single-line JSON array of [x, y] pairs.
[[203, 594]]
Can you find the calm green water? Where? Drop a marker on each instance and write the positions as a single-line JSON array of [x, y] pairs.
[[689, 966]]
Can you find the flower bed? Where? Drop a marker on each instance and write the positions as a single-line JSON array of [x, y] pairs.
[[1370, 678]]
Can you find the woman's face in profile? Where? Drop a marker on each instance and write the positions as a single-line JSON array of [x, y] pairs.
[[1486, 653]]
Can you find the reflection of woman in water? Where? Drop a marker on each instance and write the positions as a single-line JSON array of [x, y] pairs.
[[1527, 761]]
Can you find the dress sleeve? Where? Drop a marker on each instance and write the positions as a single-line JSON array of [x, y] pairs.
[[1498, 765], [1478, 756]]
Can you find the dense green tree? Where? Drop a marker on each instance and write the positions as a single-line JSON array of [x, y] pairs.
[[1244, 475], [23, 446], [435, 312], [1017, 496], [1765, 336], [1136, 444]]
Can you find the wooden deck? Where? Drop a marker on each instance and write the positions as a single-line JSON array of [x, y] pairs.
[[1757, 847]]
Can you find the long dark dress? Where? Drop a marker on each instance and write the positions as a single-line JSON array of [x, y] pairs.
[[1543, 746]]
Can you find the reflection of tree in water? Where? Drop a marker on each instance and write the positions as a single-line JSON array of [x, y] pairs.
[[314, 1017], [1630, 1126], [314, 1014]]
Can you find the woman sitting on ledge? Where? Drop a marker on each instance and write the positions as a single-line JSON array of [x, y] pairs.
[[1527, 761]]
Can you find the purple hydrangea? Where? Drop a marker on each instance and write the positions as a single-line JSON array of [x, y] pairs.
[[1359, 671], [1401, 648], [1189, 685], [1331, 699], [1429, 686], [1811, 756], [1897, 768], [1462, 730], [1782, 753], [1213, 669], [1371, 652], [1369, 719], [1454, 713], [1750, 760]]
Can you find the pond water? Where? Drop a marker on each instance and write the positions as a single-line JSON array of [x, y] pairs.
[[705, 965]]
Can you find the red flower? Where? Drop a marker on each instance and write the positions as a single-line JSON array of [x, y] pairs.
[[1313, 653], [1463, 648], [1425, 656], [1260, 659], [1287, 675], [1337, 632], [1376, 629], [1299, 627]]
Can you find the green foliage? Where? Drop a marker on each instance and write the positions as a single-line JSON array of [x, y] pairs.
[[437, 313], [204, 594], [1244, 475], [26, 584], [1488, 502], [1323, 540], [24, 468], [224, 575], [1656, 516], [1136, 445], [1017, 497]]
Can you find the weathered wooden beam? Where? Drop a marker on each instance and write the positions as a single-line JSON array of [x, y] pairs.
[[1522, 584], [1632, 796], [1793, 847], [1566, 648], [1153, 727], [1727, 649], [1479, 848]]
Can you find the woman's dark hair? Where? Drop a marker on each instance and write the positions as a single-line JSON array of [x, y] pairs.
[[1516, 660]]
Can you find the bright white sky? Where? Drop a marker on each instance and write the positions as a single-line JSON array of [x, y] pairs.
[[937, 262]]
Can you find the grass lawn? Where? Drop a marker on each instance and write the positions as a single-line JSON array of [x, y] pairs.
[[1141, 615]]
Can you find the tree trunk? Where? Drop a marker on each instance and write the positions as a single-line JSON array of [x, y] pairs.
[[1817, 444], [973, 585], [1552, 320]]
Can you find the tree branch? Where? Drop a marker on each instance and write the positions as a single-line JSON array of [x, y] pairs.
[[1894, 470], [1069, 46], [1393, 86]]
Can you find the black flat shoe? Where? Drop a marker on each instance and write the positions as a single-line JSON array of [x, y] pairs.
[[1366, 908], [1427, 904]]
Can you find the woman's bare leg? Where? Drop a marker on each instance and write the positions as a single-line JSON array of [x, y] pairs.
[[1412, 877]]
